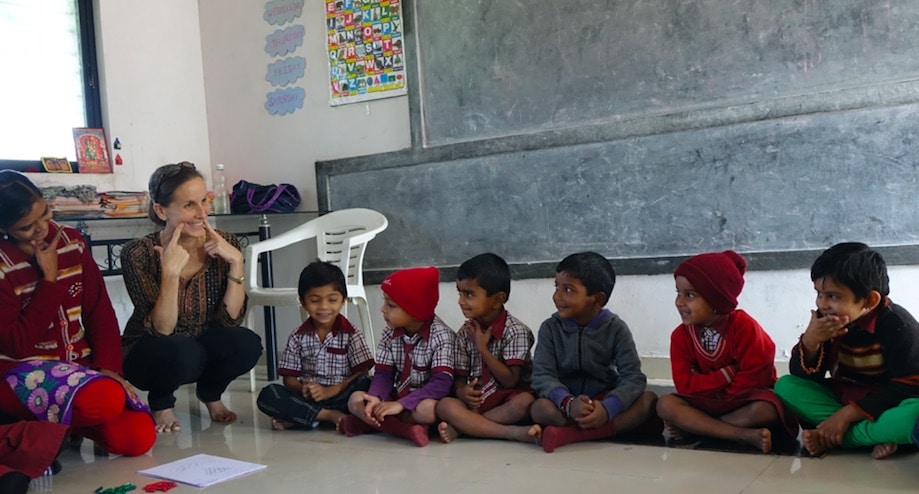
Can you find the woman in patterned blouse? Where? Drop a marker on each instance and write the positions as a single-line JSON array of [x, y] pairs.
[[186, 282]]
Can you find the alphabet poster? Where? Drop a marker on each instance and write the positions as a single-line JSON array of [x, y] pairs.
[[365, 45]]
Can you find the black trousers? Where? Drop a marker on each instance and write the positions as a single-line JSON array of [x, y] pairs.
[[278, 402], [160, 364]]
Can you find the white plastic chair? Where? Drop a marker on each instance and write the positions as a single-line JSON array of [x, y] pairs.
[[341, 238]]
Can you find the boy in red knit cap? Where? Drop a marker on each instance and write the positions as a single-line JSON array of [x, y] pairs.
[[414, 365], [722, 359]]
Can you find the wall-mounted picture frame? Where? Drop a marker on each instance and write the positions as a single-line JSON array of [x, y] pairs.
[[92, 150], [56, 165]]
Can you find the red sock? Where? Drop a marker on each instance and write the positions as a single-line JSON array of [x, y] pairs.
[[352, 426], [553, 436], [415, 433]]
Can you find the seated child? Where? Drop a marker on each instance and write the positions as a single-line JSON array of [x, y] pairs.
[[723, 361], [414, 362], [870, 347], [326, 358], [492, 358], [586, 370]]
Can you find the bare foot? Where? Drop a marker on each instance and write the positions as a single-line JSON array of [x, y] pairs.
[[219, 412], [676, 434], [758, 438], [524, 433], [882, 451], [330, 416], [447, 432], [814, 442], [339, 424], [280, 425], [535, 433], [166, 420]]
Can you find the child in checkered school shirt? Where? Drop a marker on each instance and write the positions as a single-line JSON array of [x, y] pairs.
[[414, 362], [493, 362], [326, 358]]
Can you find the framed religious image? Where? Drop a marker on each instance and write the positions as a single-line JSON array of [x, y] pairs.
[[92, 151], [56, 165]]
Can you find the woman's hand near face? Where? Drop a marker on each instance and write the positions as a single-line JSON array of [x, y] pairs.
[[46, 256], [173, 257], [217, 246]]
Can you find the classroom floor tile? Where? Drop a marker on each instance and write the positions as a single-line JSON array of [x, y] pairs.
[[324, 461]]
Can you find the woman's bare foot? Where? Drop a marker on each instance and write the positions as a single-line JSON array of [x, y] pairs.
[[166, 420], [882, 451], [219, 412], [814, 442], [447, 432], [280, 425], [535, 433], [758, 438]]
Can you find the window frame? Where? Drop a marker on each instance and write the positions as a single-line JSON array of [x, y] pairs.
[[92, 101]]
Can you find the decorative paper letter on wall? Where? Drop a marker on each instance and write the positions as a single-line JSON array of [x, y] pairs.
[[365, 45], [280, 43], [287, 71], [284, 101], [282, 11]]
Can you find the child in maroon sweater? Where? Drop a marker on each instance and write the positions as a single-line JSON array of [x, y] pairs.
[[722, 359]]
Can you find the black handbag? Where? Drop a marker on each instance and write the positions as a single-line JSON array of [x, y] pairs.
[[249, 197]]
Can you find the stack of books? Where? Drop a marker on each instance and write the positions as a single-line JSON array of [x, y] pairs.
[[79, 202], [123, 204]]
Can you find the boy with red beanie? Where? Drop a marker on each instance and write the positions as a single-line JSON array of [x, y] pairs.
[[414, 366], [722, 359]]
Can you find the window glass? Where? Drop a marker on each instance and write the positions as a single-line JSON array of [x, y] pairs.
[[42, 91]]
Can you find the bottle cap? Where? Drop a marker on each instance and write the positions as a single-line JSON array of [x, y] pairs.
[[220, 166]]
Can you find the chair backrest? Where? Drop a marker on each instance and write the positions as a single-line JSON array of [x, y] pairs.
[[343, 237]]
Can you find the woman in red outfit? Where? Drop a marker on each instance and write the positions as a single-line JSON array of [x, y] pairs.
[[60, 347]]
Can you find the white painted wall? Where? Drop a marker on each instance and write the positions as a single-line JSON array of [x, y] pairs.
[[185, 80]]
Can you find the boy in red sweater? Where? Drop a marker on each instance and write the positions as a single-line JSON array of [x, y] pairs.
[[722, 359]]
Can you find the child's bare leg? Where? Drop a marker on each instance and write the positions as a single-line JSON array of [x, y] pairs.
[[544, 413], [459, 418], [753, 415], [679, 413], [512, 411], [331, 416], [634, 416], [357, 423], [425, 413], [356, 406]]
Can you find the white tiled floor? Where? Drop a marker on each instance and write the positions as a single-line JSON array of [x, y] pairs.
[[323, 461]]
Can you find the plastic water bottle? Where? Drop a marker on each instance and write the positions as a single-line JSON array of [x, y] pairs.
[[221, 198]]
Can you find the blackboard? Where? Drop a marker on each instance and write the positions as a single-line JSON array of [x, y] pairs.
[[492, 68], [759, 152]]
